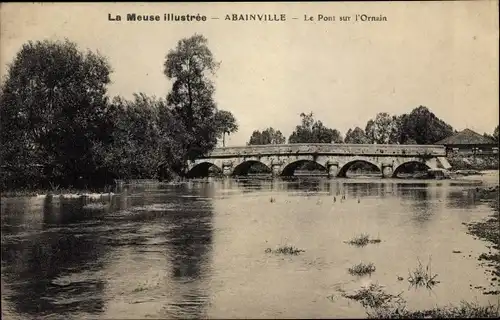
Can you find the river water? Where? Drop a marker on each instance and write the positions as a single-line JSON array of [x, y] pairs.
[[197, 249]]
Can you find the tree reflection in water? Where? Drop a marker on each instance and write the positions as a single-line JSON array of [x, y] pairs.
[[42, 268]]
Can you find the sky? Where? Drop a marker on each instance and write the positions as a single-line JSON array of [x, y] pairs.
[[442, 55]]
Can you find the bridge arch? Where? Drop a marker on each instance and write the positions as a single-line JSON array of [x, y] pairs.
[[289, 168], [411, 166], [202, 169], [361, 163], [245, 167]]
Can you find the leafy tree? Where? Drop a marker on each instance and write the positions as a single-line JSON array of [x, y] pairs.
[[189, 66], [488, 136], [311, 131], [54, 114], [357, 136], [495, 134], [135, 151], [382, 129], [225, 123], [423, 127], [395, 129], [267, 136], [147, 139]]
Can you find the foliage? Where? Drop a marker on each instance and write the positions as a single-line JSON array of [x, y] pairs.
[[465, 310], [373, 296], [357, 136], [267, 136], [225, 122], [361, 269], [382, 129], [422, 277], [286, 250], [311, 131], [54, 114], [422, 126], [191, 98], [362, 240], [134, 150], [382, 305], [59, 127]]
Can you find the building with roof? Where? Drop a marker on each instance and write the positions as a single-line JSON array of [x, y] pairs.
[[468, 142]]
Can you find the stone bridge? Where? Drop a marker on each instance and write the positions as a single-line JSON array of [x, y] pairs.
[[282, 160]]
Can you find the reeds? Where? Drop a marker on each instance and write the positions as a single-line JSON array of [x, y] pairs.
[[362, 269], [373, 296], [286, 250], [422, 276], [362, 240], [464, 310]]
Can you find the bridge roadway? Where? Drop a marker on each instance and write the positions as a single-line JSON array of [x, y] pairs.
[[283, 159]]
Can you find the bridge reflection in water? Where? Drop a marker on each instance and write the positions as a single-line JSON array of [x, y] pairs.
[[334, 159]]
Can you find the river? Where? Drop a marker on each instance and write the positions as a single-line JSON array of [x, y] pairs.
[[198, 249]]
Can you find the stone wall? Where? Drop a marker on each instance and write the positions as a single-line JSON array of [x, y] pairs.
[[330, 149]]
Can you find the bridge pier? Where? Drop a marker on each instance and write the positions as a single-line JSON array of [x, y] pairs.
[[333, 169], [227, 169], [387, 171], [276, 169]]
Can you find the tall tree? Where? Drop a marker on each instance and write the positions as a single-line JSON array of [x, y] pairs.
[[268, 136], [422, 126], [225, 123], [53, 111], [311, 131], [381, 130], [357, 136], [190, 66]]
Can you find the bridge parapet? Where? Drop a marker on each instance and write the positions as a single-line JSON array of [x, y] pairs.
[[330, 149]]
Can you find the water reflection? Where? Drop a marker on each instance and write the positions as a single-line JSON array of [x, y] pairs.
[[38, 265], [189, 252], [197, 249]]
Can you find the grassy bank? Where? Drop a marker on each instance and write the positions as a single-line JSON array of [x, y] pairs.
[[464, 310], [470, 162], [489, 231], [380, 304]]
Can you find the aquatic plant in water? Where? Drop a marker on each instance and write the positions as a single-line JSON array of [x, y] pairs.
[[362, 240], [361, 269], [373, 296], [422, 277], [287, 250], [382, 305]]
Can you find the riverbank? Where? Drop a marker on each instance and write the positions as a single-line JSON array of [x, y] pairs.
[[65, 193], [464, 310], [489, 231], [471, 162], [89, 192]]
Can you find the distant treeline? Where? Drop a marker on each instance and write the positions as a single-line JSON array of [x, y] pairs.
[[420, 126]]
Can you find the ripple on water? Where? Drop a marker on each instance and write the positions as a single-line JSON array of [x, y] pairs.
[[193, 257]]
